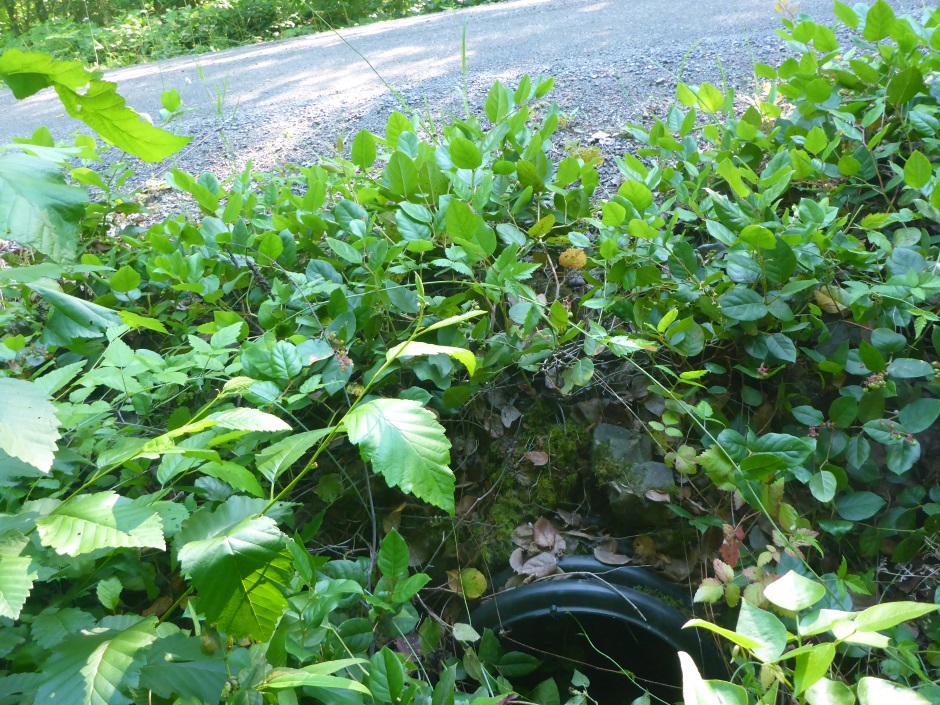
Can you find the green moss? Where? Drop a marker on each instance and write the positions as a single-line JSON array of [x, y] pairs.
[[532, 491]]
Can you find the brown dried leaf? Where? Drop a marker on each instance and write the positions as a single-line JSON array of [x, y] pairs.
[[509, 414], [540, 566], [537, 457], [655, 496], [522, 535], [544, 534], [570, 518], [517, 559], [607, 553]]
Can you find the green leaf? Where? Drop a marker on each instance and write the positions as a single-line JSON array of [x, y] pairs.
[[29, 428], [465, 633], [345, 250], [104, 111], [859, 506], [407, 446], [887, 341], [201, 680], [84, 313], [247, 419], [37, 208], [919, 415], [765, 629], [401, 175], [781, 347], [710, 99], [890, 614], [52, 625], [743, 304], [95, 667], [697, 691], [875, 691], [498, 103], [363, 150], [281, 678], [823, 486], [743, 640], [827, 692], [465, 154], [846, 14], [878, 21], [109, 592], [904, 85], [416, 349], [241, 573], [89, 522], [278, 457], [908, 368], [792, 450], [393, 556], [794, 592], [808, 415], [16, 577], [27, 73], [811, 665], [125, 279], [917, 170], [386, 677], [871, 357]]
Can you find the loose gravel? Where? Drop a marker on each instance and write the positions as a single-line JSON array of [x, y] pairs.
[[614, 61]]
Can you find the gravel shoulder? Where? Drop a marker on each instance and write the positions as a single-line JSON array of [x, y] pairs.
[[285, 102]]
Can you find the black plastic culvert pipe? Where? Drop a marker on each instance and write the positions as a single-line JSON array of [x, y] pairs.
[[622, 610]]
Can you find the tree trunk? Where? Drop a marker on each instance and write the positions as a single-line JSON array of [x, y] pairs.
[[10, 6], [42, 12]]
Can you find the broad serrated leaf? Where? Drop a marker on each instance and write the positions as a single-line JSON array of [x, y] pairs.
[[278, 457], [104, 111], [29, 72], [101, 520], [37, 208], [407, 446], [415, 349], [178, 665], [95, 667], [109, 592], [241, 576], [247, 419], [16, 577], [52, 625], [83, 313], [29, 428]]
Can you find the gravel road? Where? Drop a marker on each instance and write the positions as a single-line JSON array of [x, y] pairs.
[[613, 61]]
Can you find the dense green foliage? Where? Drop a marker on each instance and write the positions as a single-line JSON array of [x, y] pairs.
[[117, 32], [184, 402]]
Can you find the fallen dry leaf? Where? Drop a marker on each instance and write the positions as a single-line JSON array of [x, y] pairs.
[[544, 534], [540, 566], [655, 496], [537, 457], [607, 553], [509, 414], [517, 559]]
